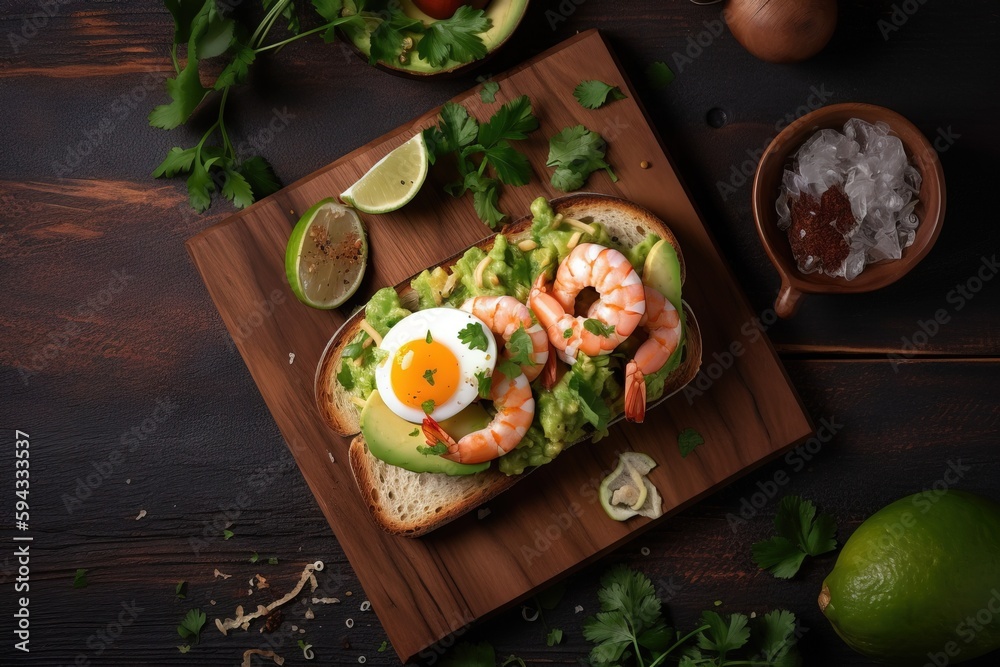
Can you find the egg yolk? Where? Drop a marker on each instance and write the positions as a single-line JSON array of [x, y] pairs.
[[422, 372]]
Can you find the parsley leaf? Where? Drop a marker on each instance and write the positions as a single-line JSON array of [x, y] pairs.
[[258, 173], [597, 327], [776, 635], [520, 348], [238, 69], [236, 188], [723, 636], [554, 637], [474, 336], [568, 333], [80, 578], [429, 339], [594, 94], [437, 450], [488, 93], [485, 200], [456, 38], [576, 152], [511, 166], [429, 375], [428, 406], [345, 377], [485, 384], [801, 533], [190, 627], [386, 41], [688, 440], [415, 432], [178, 161], [456, 130], [513, 121]]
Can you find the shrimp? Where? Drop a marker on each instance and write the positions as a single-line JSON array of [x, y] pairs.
[[618, 310], [663, 323], [515, 410], [504, 315]]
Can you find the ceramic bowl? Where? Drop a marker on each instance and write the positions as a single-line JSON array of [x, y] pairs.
[[767, 184]]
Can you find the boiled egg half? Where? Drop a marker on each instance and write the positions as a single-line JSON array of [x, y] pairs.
[[429, 370]]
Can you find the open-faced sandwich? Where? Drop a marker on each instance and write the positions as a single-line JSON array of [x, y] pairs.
[[498, 360]]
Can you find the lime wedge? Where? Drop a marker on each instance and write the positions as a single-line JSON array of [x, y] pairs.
[[326, 255], [393, 181]]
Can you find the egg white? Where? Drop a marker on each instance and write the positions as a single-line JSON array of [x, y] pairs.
[[444, 325]]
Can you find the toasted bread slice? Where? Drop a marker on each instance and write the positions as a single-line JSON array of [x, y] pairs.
[[412, 504]]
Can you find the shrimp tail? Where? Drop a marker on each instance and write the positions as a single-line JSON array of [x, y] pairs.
[[635, 393], [433, 434], [548, 373]]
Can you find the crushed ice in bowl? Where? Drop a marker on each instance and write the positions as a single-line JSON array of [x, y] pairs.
[[848, 200]]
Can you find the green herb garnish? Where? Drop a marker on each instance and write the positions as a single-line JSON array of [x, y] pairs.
[[474, 336], [554, 637], [226, 534], [520, 348], [485, 384], [190, 627], [688, 440], [594, 94], [597, 327], [428, 339], [456, 38], [181, 590], [429, 375], [436, 450], [801, 533], [488, 93], [576, 153], [80, 579], [568, 333], [428, 406], [415, 432]]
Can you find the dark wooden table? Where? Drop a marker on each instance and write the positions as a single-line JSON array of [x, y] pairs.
[[118, 367]]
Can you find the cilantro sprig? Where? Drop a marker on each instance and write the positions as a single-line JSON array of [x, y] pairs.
[[630, 629], [482, 149], [474, 336], [801, 532], [576, 153], [597, 327], [595, 94], [191, 625]]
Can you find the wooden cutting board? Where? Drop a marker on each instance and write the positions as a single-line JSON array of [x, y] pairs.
[[551, 523]]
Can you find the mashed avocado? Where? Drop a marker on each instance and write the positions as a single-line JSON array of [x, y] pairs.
[[587, 396]]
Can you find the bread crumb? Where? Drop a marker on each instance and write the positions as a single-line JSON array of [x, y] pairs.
[[291, 358], [142, 513]]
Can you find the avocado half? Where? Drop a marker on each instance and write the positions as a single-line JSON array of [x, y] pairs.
[[505, 14]]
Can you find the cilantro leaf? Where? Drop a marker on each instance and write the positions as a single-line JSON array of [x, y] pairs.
[[520, 347], [190, 627], [429, 375], [774, 635], [659, 75], [185, 90], [428, 406], [592, 407], [722, 636], [485, 384], [611, 634], [236, 188], [436, 450], [594, 94], [474, 336], [456, 38], [688, 440], [184, 13], [80, 578], [258, 173], [178, 161], [456, 130], [328, 9], [200, 185], [471, 655], [238, 69], [576, 152], [554, 637], [801, 533], [485, 200], [508, 368], [597, 327], [488, 93], [387, 39], [511, 166], [513, 121]]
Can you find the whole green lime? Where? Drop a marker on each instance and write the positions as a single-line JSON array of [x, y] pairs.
[[919, 581]]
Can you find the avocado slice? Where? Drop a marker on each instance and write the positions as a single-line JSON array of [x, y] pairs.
[[395, 440], [662, 272], [505, 14]]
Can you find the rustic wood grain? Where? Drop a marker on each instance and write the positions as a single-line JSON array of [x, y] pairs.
[[425, 589], [63, 235]]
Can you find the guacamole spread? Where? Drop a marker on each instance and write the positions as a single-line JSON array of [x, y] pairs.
[[585, 399]]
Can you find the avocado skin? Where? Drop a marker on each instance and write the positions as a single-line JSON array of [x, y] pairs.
[[919, 581], [388, 437]]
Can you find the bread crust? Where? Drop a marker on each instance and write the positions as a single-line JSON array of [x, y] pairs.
[[625, 221]]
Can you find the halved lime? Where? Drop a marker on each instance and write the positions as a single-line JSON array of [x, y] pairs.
[[326, 255], [393, 181]]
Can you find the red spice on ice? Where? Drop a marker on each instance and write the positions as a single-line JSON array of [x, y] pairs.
[[820, 229]]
